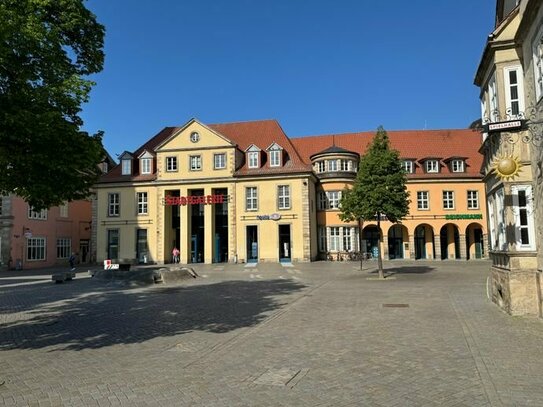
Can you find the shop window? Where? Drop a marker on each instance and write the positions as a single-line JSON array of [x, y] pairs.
[[64, 248], [35, 248]]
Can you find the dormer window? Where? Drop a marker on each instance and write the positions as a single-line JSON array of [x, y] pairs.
[[126, 164], [146, 163], [253, 156], [457, 165], [432, 166], [408, 166], [275, 152]]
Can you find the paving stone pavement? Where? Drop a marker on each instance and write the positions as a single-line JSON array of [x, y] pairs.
[[312, 334]]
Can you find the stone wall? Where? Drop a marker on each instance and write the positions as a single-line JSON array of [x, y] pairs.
[[516, 292]]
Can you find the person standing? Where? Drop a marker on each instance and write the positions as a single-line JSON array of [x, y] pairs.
[[175, 255], [71, 260]]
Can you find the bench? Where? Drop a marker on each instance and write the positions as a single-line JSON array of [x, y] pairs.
[[63, 276]]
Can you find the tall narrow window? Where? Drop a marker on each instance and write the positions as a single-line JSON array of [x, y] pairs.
[[113, 207], [448, 199], [145, 165], [514, 94], [142, 203], [335, 239], [252, 157], [537, 49], [321, 166], [473, 199], [275, 158], [283, 197], [64, 247], [523, 210], [500, 220], [251, 199], [347, 239], [195, 162], [219, 161], [323, 201], [322, 238], [423, 200], [171, 164], [493, 100]]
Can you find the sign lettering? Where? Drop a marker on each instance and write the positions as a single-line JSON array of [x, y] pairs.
[[193, 200]]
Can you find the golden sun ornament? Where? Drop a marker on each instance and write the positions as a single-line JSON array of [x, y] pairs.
[[506, 167]]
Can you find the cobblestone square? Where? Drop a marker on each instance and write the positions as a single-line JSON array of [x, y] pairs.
[[313, 334]]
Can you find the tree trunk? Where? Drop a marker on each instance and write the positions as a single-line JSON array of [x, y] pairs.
[[379, 259], [360, 252]]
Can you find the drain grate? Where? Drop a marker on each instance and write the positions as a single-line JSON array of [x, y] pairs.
[[395, 305]]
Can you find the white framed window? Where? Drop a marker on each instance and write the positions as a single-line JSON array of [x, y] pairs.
[[321, 166], [219, 161], [38, 215], [171, 164], [35, 248], [251, 199], [346, 165], [493, 114], [252, 157], [141, 198], [423, 200], [322, 238], [457, 165], [333, 199], [126, 167], [332, 165], [145, 164], [408, 166], [484, 116], [473, 199], [64, 247], [524, 217], [335, 239], [448, 199], [275, 158], [432, 166], [347, 239], [492, 223], [514, 90], [500, 220], [63, 210], [537, 50], [195, 162], [283, 197], [113, 206]]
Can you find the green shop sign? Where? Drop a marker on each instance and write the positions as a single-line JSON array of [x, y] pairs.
[[464, 216]]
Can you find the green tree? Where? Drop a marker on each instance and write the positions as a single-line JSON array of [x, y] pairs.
[[379, 189], [48, 48]]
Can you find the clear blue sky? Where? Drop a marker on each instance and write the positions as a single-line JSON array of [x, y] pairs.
[[317, 66]]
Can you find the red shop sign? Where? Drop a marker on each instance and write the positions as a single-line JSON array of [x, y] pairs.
[[193, 200]]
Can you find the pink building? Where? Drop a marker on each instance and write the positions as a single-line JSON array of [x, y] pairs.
[[33, 239]]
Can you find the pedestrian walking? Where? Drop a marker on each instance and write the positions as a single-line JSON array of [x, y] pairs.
[[71, 260]]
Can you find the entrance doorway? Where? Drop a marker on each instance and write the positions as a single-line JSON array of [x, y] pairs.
[[252, 244], [83, 250], [285, 252]]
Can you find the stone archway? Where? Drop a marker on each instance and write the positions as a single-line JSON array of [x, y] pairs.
[[371, 238], [475, 247], [449, 242], [397, 235], [424, 242]]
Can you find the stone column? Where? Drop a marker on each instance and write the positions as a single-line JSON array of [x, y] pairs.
[[463, 247], [411, 254], [209, 230], [485, 247], [185, 231], [437, 243]]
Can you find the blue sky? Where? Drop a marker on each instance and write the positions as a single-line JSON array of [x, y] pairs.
[[317, 66]]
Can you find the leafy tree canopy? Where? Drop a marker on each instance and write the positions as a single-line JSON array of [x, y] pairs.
[[47, 50], [380, 185]]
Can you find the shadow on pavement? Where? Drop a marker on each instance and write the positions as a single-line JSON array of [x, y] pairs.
[[388, 271], [93, 319]]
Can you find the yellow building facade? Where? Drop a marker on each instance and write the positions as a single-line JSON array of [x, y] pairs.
[[245, 192]]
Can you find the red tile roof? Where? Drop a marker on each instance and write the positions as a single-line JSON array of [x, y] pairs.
[[412, 144]]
